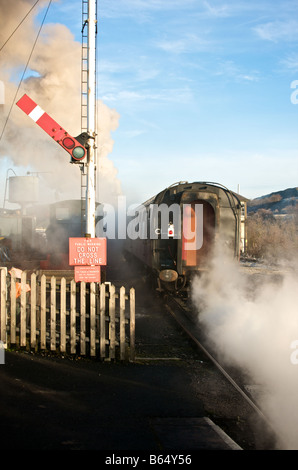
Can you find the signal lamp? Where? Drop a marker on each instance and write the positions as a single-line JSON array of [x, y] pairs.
[[68, 143], [77, 152]]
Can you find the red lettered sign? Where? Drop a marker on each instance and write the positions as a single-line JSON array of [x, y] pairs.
[[87, 273], [87, 251]]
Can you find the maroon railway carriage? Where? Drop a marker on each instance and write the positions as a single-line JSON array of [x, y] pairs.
[[179, 228]]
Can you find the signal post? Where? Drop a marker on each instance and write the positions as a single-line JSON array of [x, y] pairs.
[[82, 149], [91, 111]]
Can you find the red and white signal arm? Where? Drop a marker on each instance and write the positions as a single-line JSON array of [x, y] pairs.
[[76, 150]]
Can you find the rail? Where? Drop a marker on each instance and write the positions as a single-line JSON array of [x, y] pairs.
[[179, 313]]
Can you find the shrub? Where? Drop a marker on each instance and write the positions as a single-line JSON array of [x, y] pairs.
[[271, 237]]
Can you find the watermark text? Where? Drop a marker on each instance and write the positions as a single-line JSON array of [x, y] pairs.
[[153, 221]]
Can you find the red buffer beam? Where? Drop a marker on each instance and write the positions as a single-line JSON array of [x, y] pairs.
[[76, 150]]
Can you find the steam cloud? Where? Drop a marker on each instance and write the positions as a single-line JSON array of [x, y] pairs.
[[251, 322], [54, 82]]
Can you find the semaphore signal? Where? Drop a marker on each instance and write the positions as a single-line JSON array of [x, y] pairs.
[[72, 145]]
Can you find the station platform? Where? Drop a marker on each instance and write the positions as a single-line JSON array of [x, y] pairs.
[[154, 405], [60, 404]]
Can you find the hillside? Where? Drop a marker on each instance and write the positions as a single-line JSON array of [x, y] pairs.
[[280, 203], [272, 226]]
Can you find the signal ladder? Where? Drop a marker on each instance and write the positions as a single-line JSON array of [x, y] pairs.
[[84, 103]]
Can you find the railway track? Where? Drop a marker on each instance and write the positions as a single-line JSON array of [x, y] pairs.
[[184, 317], [167, 333]]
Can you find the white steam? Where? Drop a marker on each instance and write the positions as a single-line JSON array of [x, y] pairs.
[[53, 81], [251, 320]]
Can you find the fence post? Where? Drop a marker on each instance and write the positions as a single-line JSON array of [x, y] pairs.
[[132, 324], [92, 319], [112, 329], [83, 317], [43, 298], [72, 317], [23, 316], [2, 352], [63, 315], [13, 308], [33, 311], [122, 323], [3, 306], [53, 313], [102, 313]]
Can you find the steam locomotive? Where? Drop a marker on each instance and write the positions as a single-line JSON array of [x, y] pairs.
[[179, 228]]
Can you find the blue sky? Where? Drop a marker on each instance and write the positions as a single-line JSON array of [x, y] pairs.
[[202, 88], [203, 91]]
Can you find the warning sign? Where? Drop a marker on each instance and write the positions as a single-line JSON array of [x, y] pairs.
[[87, 251], [87, 273]]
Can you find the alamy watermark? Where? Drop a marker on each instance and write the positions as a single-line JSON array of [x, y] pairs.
[[153, 221]]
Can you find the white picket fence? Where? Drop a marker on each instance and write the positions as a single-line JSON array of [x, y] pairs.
[[61, 316]]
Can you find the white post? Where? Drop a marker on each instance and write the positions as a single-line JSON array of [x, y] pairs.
[[91, 106]]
